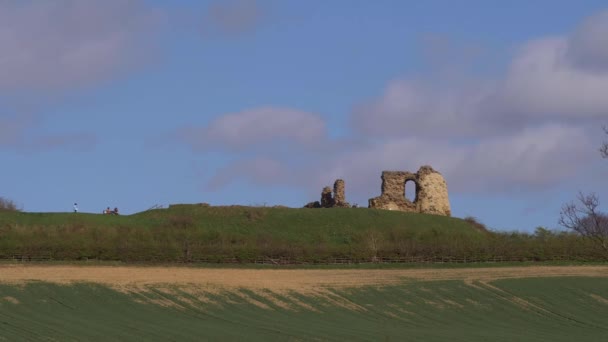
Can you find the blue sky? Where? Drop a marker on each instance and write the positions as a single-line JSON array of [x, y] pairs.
[[132, 104]]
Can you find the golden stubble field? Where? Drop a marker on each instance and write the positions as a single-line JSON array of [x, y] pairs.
[[302, 280], [547, 303]]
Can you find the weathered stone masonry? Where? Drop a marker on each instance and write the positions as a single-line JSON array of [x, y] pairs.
[[338, 200], [339, 196], [431, 192]]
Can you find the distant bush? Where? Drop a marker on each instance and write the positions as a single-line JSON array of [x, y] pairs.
[[474, 222], [8, 205], [247, 234]]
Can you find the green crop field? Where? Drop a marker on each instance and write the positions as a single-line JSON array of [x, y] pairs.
[[553, 308]]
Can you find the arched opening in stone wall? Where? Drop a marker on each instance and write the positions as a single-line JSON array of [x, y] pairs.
[[411, 191]]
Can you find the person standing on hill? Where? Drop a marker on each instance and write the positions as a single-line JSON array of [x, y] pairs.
[[75, 207]]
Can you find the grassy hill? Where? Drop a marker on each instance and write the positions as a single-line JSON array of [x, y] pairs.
[[187, 233]]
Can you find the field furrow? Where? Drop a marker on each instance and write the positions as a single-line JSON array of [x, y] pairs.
[[181, 303]]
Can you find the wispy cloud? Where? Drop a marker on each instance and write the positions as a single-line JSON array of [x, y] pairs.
[[542, 85], [527, 129], [265, 127], [65, 44], [587, 47], [416, 108], [548, 80], [51, 48], [259, 170], [232, 17], [18, 133]]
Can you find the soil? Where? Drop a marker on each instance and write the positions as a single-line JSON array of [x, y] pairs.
[[274, 280]]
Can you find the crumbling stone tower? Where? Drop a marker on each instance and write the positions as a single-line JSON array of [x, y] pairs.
[[338, 200], [327, 200], [431, 192], [339, 196]]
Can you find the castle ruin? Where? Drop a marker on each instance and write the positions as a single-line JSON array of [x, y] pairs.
[[329, 200], [431, 192]]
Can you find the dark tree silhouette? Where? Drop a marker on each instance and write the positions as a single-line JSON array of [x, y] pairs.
[[585, 219], [8, 205], [604, 148]]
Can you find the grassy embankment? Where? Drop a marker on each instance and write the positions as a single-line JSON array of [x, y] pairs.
[[186, 233]]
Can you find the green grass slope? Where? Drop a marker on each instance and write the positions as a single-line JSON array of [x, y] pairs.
[[190, 233], [289, 222], [193, 233], [555, 309]]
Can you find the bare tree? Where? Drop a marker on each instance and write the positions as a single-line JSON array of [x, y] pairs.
[[8, 205], [604, 147], [585, 219]]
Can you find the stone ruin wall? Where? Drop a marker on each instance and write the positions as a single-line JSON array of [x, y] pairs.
[[431, 192], [327, 200], [337, 199], [339, 196]]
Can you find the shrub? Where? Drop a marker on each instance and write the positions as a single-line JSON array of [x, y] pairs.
[[474, 222], [8, 205]]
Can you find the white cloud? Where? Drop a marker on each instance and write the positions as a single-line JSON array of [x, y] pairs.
[[535, 157], [532, 159], [17, 135], [549, 80], [232, 17], [267, 126], [260, 171], [414, 109], [541, 85], [526, 130], [588, 45], [19, 132], [65, 44]]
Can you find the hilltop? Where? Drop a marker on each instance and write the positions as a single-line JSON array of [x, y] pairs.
[[197, 233]]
